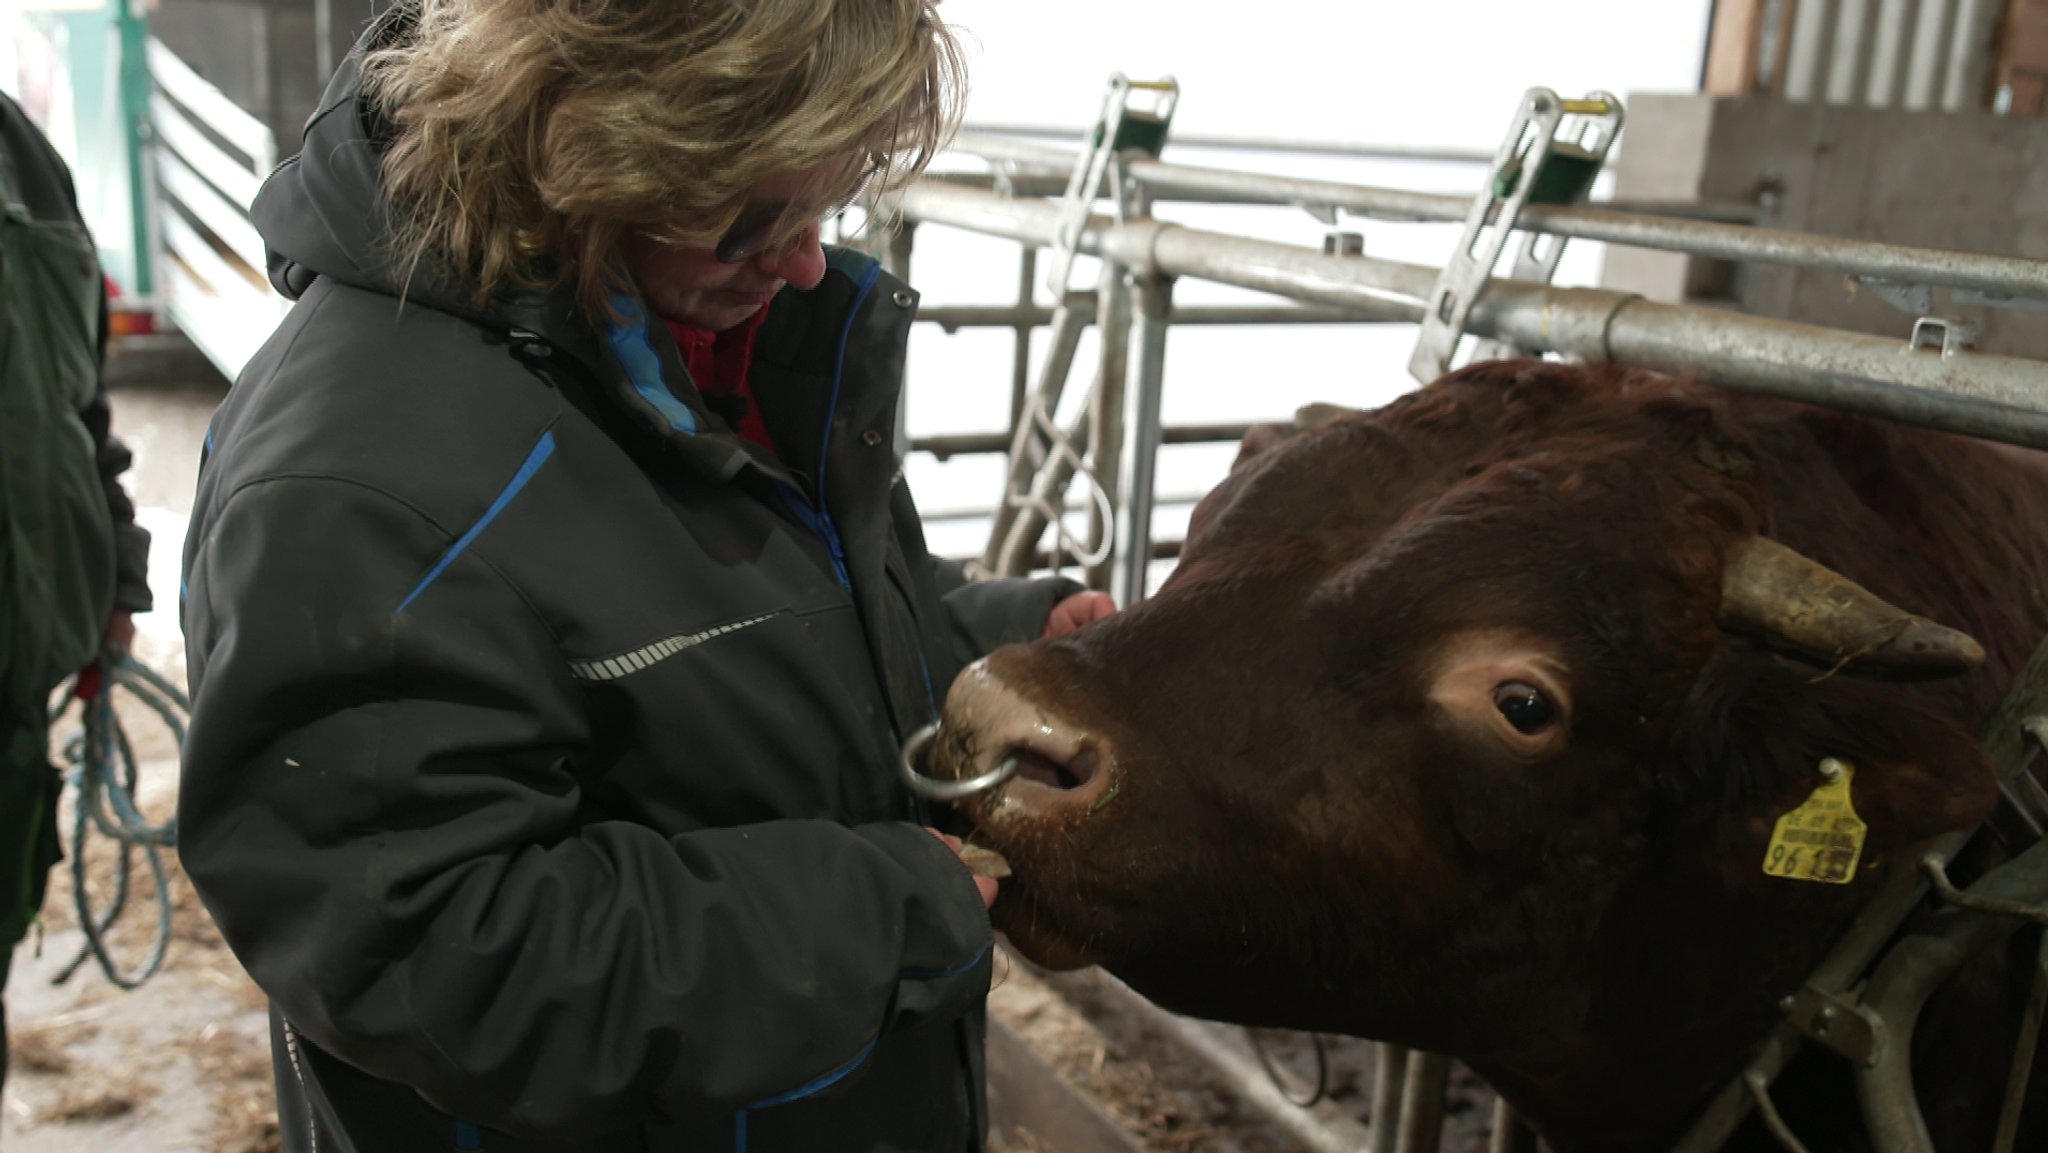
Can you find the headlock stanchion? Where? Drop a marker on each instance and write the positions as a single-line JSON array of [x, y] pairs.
[[1553, 153]]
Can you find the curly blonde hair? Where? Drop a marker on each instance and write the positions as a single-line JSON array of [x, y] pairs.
[[531, 138]]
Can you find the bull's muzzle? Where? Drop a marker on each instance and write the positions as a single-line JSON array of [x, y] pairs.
[[995, 744]]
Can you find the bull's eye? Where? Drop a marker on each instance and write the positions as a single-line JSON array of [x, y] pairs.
[[1525, 707]]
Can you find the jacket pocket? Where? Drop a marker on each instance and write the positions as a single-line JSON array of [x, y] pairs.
[[780, 718]]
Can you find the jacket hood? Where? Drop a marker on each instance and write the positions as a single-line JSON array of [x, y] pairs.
[[323, 212]]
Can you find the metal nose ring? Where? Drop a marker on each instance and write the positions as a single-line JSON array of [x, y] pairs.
[[934, 789]]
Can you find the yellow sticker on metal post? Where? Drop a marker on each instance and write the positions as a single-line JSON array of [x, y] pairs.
[[1822, 839]]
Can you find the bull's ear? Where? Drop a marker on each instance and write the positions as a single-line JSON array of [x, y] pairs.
[[1755, 729], [1258, 439], [1307, 418]]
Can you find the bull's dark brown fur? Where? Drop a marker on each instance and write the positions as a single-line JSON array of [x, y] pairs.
[[1297, 841]]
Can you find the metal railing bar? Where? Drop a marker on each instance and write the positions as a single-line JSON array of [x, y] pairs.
[[1797, 361], [1045, 182], [946, 445], [212, 209], [212, 107], [212, 163], [198, 254], [1425, 154], [1981, 272], [953, 317]]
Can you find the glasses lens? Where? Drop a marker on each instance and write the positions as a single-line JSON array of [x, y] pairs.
[[749, 234], [758, 226]]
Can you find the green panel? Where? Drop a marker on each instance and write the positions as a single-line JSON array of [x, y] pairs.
[[109, 102], [1567, 176], [1141, 132]]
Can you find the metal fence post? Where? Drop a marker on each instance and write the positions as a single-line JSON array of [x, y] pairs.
[[1422, 1103], [1152, 305], [1106, 432], [1390, 1073], [1020, 365], [1511, 1134]]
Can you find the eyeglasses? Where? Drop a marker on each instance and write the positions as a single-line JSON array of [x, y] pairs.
[[763, 225], [751, 233]]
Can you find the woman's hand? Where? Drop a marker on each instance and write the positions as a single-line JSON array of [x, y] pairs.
[[1077, 610], [987, 885]]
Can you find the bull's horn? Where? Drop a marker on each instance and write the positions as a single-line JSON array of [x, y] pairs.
[[1310, 417], [1810, 608]]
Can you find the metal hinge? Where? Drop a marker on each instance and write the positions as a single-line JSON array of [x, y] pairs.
[[1838, 1022]]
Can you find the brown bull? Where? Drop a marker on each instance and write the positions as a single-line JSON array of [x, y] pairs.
[[1467, 723]]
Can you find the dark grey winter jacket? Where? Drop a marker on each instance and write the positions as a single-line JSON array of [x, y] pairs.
[[540, 766]]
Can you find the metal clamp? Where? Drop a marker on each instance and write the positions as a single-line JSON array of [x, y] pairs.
[[1343, 244], [1837, 1022], [1121, 128], [934, 789], [1951, 338], [1544, 159], [1909, 297]]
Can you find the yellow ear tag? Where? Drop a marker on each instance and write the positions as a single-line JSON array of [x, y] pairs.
[[1822, 839]]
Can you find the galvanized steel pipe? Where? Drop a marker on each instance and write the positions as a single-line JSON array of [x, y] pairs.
[[2005, 398], [1980, 272], [1916, 967], [953, 317]]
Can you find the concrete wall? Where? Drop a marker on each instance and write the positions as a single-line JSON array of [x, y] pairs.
[[1965, 181]]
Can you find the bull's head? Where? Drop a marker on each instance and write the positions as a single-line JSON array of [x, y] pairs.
[[1466, 722]]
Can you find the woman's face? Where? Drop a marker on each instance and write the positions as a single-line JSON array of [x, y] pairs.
[[689, 284]]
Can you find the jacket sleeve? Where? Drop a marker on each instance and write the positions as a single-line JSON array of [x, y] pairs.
[[386, 807], [131, 540], [47, 189], [986, 615]]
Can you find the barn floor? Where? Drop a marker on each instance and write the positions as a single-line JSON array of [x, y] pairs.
[[182, 1065]]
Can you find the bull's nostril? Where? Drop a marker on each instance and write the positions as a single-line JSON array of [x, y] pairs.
[[1083, 767], [1035, 766]]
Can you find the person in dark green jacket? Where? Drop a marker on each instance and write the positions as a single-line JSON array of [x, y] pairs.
[[556, 609], [72, 560]]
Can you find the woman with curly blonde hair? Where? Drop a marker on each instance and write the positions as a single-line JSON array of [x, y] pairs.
[[555, 609]]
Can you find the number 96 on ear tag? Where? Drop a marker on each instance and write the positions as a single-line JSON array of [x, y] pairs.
[[1822, 839]]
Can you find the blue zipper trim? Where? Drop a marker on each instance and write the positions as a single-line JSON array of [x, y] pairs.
[[813, 1088], [870, 272], [823, 530], [468, 1139], [940, 975], [643, 367], [931, 699], [819, 1085], [542, 450]]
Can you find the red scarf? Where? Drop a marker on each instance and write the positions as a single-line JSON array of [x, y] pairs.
[[718, 362]]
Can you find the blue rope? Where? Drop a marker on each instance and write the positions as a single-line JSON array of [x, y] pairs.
[[102, 769]]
